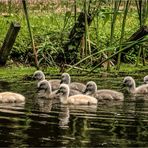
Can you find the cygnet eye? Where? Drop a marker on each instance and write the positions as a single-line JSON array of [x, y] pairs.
[[126, 81], [35, 75], [88, 85], [61, 89]]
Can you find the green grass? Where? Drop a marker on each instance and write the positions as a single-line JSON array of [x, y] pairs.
[[50, 26], [51, 31], [13, 73]]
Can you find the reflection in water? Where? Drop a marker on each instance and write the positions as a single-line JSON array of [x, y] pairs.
[[43, 104], [11, 129], [80, 110], [42, 122], [4, 85], [64, 117]]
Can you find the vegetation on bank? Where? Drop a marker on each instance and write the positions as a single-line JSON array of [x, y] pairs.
[[51, 29], [14, 73]]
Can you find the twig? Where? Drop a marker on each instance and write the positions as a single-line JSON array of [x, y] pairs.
[[75, 68]]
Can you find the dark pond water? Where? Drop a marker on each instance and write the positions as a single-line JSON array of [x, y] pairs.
[[41, 123]]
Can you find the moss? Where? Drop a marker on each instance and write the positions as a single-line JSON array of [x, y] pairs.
[[15, 73]]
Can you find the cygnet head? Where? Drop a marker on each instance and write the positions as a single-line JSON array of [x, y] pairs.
[[39, 75], [146, 79], [64, 90], [91, 88], [65, 78], [44, 87], [129, 82]]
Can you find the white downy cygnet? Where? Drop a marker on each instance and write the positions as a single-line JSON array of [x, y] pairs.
[[76, 99], [11, 97]]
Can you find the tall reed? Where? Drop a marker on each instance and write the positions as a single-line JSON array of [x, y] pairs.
[[116, 6], [142, 9], [30, 33], [127, 5]]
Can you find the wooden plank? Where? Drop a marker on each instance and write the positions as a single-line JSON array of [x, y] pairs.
[[8, 42]]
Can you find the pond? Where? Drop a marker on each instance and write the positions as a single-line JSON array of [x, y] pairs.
[[39, 122]]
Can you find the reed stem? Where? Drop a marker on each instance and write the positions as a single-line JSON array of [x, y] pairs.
[[30, 33]]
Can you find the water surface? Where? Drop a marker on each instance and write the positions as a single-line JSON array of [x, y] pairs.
[[41, 122]]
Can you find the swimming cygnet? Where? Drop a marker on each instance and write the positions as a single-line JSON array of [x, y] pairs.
[[145, 79], [129, 82], [66, 79], [103, 94], [10, 97], [76, 99], [39, 75], [44, 90]]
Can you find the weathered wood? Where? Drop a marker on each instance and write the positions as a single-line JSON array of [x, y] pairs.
[[71, 46], [141, 32], [8, 42], [76, 34]]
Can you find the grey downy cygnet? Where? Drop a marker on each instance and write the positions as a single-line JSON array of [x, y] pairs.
[[145, 79], [39, 76], [103, 94], [79, 99], [44, 90], [129, 82], [66, 79]]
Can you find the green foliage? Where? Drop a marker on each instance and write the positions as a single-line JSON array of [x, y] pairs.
[[51, 24]]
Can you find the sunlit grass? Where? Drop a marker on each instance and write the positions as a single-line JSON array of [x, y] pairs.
[[51, 29], [51, 25]]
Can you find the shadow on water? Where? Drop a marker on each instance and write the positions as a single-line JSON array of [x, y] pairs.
[[42, 122]]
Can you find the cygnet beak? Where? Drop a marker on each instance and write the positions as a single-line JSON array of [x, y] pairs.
[[61, 81], [34, 78], [123, 85], [58, 91], [38, 90], [85, 91]]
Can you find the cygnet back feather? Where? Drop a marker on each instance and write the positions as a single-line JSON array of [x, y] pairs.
[[55, 84], [10, 97]]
